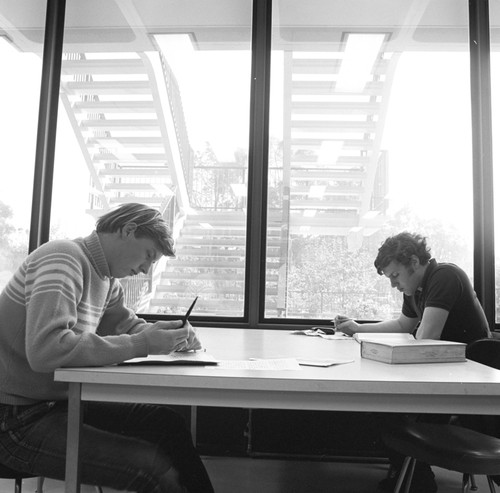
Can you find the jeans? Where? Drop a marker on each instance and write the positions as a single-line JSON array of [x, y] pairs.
[[123, 446]]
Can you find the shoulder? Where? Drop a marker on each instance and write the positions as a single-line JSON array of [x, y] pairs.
[[447, 270], [55, 246], [447, 278], [56, 253]]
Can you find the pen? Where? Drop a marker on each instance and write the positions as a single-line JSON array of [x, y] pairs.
[[190, 309]]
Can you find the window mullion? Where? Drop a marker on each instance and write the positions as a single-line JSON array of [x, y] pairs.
[[257, 166], [484, 259]]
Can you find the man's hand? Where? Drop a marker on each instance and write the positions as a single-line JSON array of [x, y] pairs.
[[166, 337], [346, 325], [193, 343]]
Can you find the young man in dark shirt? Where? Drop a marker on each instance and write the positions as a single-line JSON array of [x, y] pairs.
[[439, 302]]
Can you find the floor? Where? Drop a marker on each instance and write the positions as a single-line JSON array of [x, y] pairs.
[[242, 475]]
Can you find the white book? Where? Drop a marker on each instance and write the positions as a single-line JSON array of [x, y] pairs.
[[416, 351], [383, 336]]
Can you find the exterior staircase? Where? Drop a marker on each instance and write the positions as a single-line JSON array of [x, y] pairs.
[[212, 265], [126, 112]]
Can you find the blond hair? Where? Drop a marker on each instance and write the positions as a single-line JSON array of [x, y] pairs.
[[150, 224]]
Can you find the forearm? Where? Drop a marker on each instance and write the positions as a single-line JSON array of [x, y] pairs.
[[70, 348], [385, 326]]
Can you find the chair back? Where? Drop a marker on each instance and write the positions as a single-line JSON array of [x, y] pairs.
[[485, 351]]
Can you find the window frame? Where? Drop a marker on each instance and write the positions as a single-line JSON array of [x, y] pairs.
[[483, 193]]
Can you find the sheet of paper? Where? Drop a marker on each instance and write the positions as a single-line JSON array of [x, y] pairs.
[[316, 333], [323, 362], [336, 337], [259, 364], [176, 358]]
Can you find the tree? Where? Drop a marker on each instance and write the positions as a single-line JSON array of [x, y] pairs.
[[325, 278], [13, 244]]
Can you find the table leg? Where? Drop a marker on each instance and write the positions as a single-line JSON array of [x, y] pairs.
[[72, 482]]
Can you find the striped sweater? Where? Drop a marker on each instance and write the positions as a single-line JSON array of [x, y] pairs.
[[62, 308]]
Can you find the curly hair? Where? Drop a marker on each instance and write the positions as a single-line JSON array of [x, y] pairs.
[[149, 221], [400, 248]]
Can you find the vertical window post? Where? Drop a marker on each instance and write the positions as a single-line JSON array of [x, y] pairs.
[[257, 162], [47, 123], [484, 254]]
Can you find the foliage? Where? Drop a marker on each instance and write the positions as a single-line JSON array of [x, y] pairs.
[[325, 278], [212, 180], [13, 244]]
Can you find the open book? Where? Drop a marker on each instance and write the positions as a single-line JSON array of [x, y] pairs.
[[177, 358]]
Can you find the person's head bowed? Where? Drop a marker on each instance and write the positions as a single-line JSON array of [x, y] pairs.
[[402, 248], [149, 223]]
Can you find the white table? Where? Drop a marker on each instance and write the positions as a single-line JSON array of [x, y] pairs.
[[363, 385]]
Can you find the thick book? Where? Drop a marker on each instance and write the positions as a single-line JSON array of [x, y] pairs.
[[416, 351], [383, 336], [199, 358]]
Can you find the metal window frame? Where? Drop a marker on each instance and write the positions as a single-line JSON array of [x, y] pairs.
[[483, 190], [482, 155]]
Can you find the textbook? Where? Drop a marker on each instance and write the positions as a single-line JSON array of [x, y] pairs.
[[199, 358], [416, 351], [383, 336]]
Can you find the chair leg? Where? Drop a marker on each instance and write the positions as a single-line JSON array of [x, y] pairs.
[[18, 485], [409, 476], [468, 480], [402, 474], [473, 485], [491, 484]]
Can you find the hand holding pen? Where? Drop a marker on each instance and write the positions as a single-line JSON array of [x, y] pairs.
[[345, 324], [190, 309], [192, 343], [166, 336]]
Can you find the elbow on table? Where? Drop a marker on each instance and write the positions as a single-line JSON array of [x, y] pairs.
[[40, 362]]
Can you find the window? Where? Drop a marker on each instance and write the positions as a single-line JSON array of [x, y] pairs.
[[21, 46], [370, 135], [156, 110]]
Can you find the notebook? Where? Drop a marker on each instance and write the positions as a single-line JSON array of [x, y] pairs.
[[200, 358]]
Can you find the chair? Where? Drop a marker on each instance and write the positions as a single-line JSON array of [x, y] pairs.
[[457, 448], [485, 351], [8, 473]]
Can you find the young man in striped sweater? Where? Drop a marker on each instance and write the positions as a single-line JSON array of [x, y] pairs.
[[64, 307]]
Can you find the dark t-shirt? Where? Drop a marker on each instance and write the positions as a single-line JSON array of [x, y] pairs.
[[448, 287]]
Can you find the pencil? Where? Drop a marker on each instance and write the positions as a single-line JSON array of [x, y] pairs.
[[190, 309]]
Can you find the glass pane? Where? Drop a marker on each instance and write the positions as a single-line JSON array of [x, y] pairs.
[[495, 110], [370, 136], [154, 109], [22, 26]]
